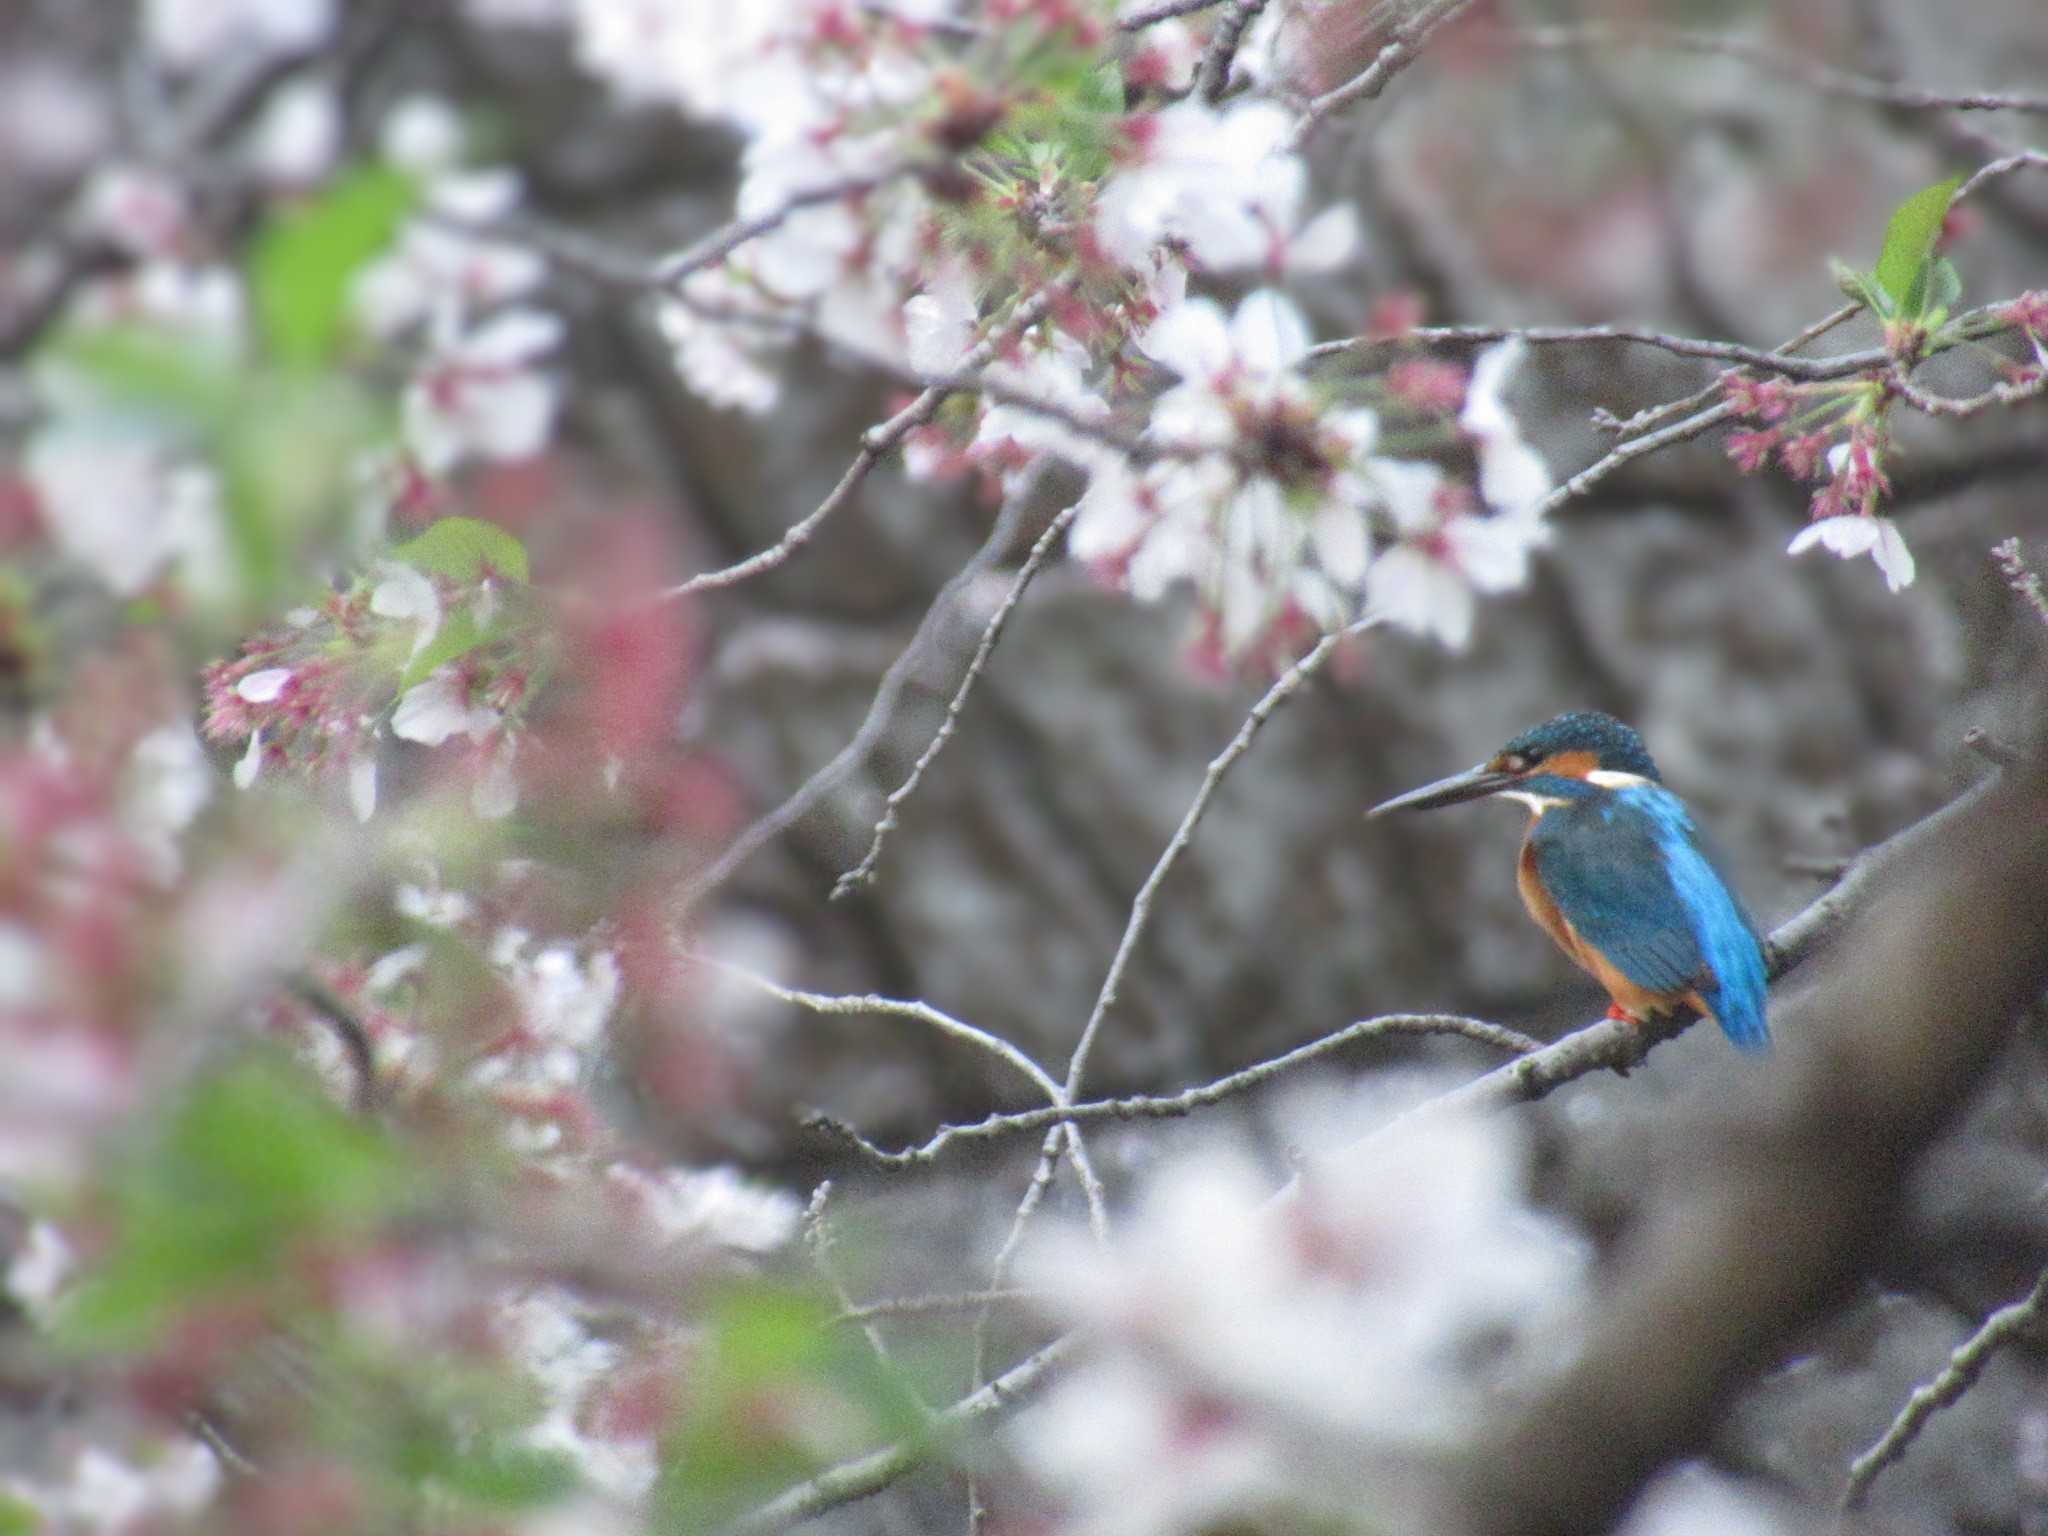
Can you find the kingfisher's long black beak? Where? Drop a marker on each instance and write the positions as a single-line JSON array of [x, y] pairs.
[[1469, 785]]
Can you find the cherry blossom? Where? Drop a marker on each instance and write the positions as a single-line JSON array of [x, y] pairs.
[[1512, 475], [438, 261], [1447, 552], [186, 33], [438, 707], [1203, 176], [476, 395], [1851, 534], [1230, 1328], [720, 362]]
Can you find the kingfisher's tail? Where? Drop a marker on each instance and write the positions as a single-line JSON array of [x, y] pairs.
[[1736, 1000]]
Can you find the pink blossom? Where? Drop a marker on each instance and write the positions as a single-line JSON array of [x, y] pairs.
[[1752, 450]]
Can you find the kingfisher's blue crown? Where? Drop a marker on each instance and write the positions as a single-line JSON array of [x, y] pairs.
[[1615, 747]]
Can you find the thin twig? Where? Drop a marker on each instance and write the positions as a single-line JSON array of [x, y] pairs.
[[1954, 1379], [1175, 1106], [1998, 395], [1771, 59], [1656, 415], [2004, 166], [1168, 10], [851, 756], [1683, 346], [818, 1236], [1635, 448], [959, 1029], [1212, 76], [868, 1474], [869, 1005], [2000, 754], [1400, 51], [1134, 927], [920, 1306], [721, 243], [864, 871], [2025, 582], [875, 443], [348, 1028]]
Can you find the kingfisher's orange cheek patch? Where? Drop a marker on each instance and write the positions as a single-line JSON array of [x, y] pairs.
[[1571, 765]]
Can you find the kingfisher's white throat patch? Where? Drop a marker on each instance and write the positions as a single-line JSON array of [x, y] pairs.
[[1537, 804], [1608, 778]]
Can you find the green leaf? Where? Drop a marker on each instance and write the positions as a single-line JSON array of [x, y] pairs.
[[461, 548], [286, 454], [457, 636], [256, 1159], [1909, 243], [307, 257], [501, 1475], [18, 1518]]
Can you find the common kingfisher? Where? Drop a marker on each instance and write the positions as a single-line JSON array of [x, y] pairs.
[[1612, 869]]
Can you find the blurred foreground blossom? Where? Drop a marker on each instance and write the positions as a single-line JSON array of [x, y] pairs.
[[1260, 1358], [185, 33], [478, 395]]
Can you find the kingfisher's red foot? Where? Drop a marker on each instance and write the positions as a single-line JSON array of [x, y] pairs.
[[1616, 1011]]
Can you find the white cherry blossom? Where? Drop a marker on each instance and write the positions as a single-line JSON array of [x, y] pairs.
[[477, 396], [1854, 534], [1512, 475]]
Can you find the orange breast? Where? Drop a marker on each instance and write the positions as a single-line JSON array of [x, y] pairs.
[[1639, 1001]]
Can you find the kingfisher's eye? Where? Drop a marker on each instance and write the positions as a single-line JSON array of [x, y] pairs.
[[1516, 762]]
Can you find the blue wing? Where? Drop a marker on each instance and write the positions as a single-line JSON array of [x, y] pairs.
[[1628, 874]]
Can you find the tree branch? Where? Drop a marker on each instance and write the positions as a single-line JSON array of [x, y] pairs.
[[1770, 59], [1955, 1378], [864, 871], [1175, 1106]]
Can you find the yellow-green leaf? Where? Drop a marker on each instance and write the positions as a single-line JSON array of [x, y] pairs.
[[462, 548], [1909, 244]]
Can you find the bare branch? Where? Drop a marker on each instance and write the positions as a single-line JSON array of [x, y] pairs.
[[818, 1236], [1400, 51], [869, 1004], [1954, 1379], [1656, 415], [1998, 753], [1683, 346], [875, 443], [1284, 688], [850, 757], [1167, 10], [1176, 1106], [1771, 59], [920, 1306], [1635, 448], [1991, 171], [863, 1475], [2031, 388], [348, 1028], [864, 871], [715, 247], [2025, 582], [924, 1013], [1213, 74]]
